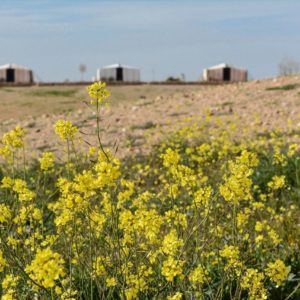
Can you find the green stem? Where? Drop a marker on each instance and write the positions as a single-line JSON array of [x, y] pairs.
[[98, 131], [24, 163], [293, 292]]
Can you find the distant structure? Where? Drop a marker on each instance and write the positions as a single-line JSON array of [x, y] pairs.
[[12, 73], [118, 72], [225, 72]]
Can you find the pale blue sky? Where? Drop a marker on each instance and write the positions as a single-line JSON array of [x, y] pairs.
[[161, 37]]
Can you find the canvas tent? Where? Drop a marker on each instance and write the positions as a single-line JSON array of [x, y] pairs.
[[12, 73], [118, 72], [225, 72]]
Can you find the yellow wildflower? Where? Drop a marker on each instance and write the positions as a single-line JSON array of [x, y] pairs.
[[198, 276], [172, 268], [14, 138], [98, 91], [171, 244], [176, 296], [232, 254], [170, 158], [277, 182], [277, 271], [253, 281], [46, 267], [111, 282], [47, 161], [2, 262], [259, 226], [65, 129], [5, 213]]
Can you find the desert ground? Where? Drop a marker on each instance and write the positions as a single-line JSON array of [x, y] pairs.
[[138, 113]]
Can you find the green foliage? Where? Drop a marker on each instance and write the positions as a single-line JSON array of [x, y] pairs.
[[53, 93], [286, 87]]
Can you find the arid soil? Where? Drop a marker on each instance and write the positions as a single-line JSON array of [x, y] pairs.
[[139, 115]]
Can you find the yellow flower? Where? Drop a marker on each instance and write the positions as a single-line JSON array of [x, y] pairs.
[[293, 148], [9, 285], [5, 151], [277, 271], [14, 138], [2, 262], [232, 254], [20, 187], [170, 158], [259, 226], [7, 183], [98, 266], [198, 276], [46, 267], [5, 213], [65, 129], [278, 157], [172, 268], [259, 239], [202, 196], [92, 150], [111, 282], [242, 219], [171, 244], [254, 282], [237, 185], [98, 92], [176, 296], [11, 141], [277, 182], [47, 161], [274, 236]]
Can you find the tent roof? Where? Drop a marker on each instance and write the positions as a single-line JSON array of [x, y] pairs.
[[222, 66], [114, 66], [13, 66]]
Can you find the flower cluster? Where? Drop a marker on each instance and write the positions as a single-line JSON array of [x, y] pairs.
[[277, 271], [98, 92], [65, 129], [47, 161], [12, 141], [46, 268]]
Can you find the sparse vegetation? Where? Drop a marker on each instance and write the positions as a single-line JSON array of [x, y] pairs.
[[146, 125], [53, 93], [286, 87]]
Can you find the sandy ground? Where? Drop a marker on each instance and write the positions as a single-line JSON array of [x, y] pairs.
[[139, 115]]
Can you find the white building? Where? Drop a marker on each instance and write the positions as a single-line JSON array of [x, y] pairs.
[[225, 72], [118, 72], [15, 74]]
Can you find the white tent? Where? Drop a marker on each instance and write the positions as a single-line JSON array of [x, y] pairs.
[[15, 74], [225, 72], [118, 72]]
